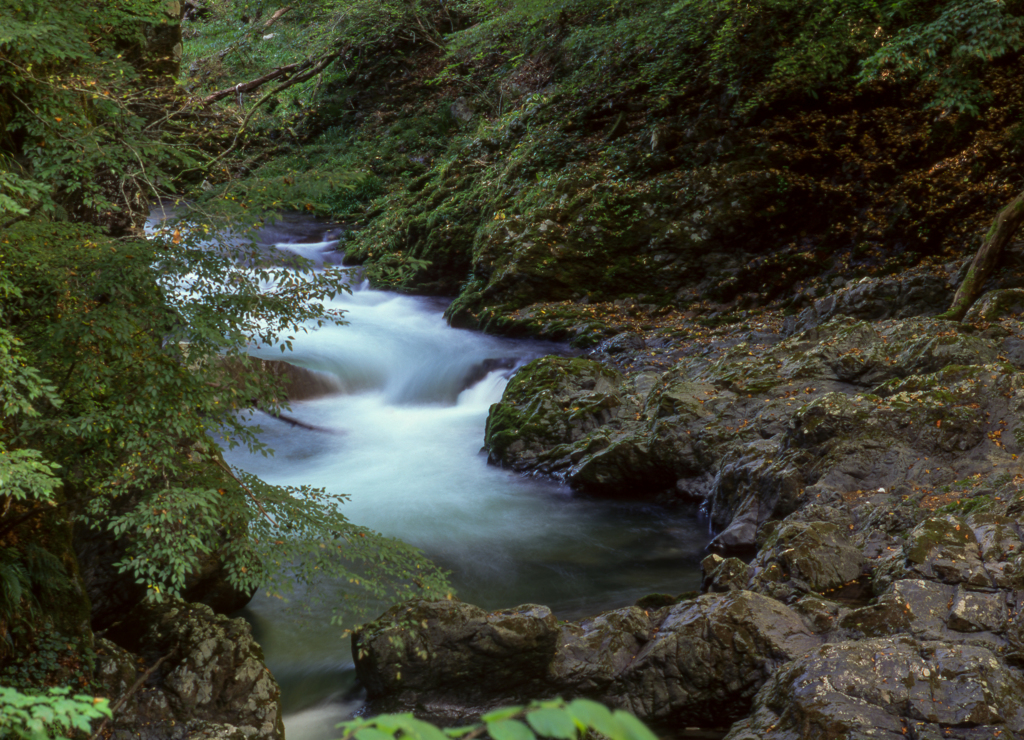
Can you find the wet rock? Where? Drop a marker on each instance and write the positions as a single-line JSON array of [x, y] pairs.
[[593, 652], [482, 369], [724, 574], [298, 383], [446, 653], [930, 429], [551, 401], [708, 655], [977, 612], [629, 465], [204, 676], [668, 666], [754, 484], [994, 304], [812, 557], [892, 687], [874, 299], [820, 614], [941, 548], [625, 342]]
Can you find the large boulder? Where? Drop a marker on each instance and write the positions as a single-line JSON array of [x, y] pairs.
[[807, 557], [872, 299], [668, 666], [893, 687], [928, 429], [551, 401], [708, 658], [202, 676], [755, 483], [440, 654], [941, 548]]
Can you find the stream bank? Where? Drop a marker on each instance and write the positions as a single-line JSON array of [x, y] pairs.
[[864, 482]]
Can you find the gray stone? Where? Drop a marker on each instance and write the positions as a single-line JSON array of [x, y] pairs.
[[206, 676], [668, 665], [724, 574], [440, 653], [813, 557], [893, 688]]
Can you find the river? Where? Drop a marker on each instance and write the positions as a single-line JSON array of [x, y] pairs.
[[402, 438]]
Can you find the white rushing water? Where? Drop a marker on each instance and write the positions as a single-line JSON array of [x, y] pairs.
[[403, 439]]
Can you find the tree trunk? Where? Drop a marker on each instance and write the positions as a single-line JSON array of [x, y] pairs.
[[999, 234]]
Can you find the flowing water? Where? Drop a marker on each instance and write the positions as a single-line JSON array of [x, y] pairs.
[[403, 439]]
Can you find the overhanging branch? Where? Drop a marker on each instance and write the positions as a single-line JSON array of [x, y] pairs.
[[291, 74]]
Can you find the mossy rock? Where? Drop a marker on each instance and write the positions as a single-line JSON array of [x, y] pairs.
[[550, 401]]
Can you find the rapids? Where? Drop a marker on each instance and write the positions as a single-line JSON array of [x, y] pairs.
[[403, 439]]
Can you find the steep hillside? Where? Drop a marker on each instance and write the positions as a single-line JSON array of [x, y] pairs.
[[670, 152]]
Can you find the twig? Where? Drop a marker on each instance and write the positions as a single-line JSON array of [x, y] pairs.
[[305, 75], [277, 14]]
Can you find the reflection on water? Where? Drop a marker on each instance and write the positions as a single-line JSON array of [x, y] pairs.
[[406, 448]]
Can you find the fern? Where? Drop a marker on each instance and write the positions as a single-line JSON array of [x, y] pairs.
[[15, 585]]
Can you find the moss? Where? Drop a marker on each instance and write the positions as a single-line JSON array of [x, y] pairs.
[[968, 506], [937, 532]]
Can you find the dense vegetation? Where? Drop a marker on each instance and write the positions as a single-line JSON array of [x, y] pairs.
[[123, 361], [643, 134]]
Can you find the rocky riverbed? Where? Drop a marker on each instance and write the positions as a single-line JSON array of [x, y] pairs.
[[858, 460]]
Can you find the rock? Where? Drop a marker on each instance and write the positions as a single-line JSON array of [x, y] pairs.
[[204, 676], [668, 666], [994, 304], [461, 110], [724, 574], [298, 383], [875, 299], [549, 402], [754, 483], [625, 342], [442, 654], [929, 429], [710, 654], [627, 465], [892, 687], [812, 557], [941, 548], [593, 652]]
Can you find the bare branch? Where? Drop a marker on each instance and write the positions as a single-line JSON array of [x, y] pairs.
[[277, 14]]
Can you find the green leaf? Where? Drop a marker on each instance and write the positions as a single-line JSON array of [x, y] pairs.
[[503, 713], [417, 729], [372, 733], [632, 728], [556, 723], [509, 729], [593, 715]]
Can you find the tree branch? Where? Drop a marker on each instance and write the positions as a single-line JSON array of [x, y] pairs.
[[277, 14], [1004, 226]]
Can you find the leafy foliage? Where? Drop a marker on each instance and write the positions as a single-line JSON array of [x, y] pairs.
[[147, 342], [541, 719], [42, 716], [949, 49], [80, 111]]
